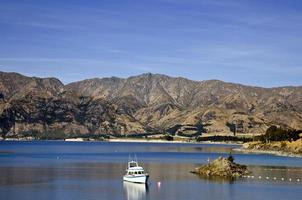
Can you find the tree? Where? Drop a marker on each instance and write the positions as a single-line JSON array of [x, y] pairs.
[[278, 134], [230, 157], [1, 96], [168, 137]]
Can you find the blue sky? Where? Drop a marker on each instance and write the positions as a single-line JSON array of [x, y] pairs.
[[254, 42]]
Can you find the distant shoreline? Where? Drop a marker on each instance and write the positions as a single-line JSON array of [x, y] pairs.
[[242, 149], [166, 141], [129, 140], [277, 153], [273, 148]]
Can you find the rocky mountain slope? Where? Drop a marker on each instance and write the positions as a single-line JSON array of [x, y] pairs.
[[148, 103]]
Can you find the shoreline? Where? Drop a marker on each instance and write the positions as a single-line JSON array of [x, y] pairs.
[[271, 152], [169, 142], [279, 148], [127, 140], [242, 149]]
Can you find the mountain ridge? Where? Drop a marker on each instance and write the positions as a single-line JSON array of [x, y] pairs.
[[147, 103]]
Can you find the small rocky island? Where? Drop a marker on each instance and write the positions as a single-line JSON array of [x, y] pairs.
[[223, 168]]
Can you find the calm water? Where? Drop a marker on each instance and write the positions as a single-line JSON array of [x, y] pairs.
[[94, 170]]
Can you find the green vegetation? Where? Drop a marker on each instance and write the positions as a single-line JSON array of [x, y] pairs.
[[60, 135], [274, 133], [219, 138], [232, 127], [49, 135], [230, 157], [167, 137]]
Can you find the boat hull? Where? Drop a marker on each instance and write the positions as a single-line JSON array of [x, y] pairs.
[[136, 179]]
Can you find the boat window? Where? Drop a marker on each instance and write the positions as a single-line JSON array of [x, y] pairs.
[[130, 173], [132, 164]]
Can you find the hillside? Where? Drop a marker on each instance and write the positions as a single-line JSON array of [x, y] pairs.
[[144, 104]]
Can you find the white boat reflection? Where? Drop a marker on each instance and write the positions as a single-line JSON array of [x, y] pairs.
[[135, 191]]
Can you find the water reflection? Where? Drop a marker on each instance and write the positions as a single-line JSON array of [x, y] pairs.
[[222, 180], [26, 175], [94, 171], [135, 191]]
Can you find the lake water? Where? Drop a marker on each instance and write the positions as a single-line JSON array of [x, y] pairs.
[[94, 170]]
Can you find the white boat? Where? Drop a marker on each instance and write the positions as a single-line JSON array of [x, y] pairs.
[[135, 173]]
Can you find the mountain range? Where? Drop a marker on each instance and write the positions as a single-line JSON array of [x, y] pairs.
[[147, 103]]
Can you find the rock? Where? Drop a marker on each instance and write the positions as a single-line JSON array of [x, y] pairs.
[[222, 167]]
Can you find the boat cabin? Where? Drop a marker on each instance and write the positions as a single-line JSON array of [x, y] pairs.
[[132, 164], [134, 169]]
